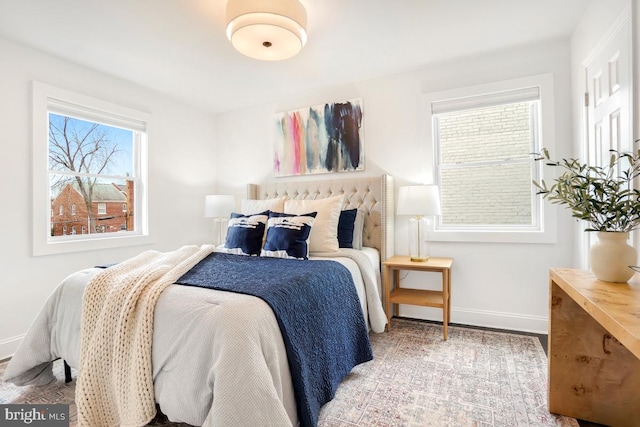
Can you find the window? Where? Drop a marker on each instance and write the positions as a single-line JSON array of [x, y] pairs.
[[485, 167], [483, 138], [124, 208], [89, 155]]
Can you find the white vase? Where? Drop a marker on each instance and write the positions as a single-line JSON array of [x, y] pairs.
[[611, 256]]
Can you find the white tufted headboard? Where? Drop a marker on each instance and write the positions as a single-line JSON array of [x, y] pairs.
[[373, 196]]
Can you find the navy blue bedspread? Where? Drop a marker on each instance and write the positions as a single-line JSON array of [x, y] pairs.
[[318, 312]]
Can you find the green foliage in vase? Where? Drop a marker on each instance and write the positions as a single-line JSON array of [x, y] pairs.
[[603, 196]]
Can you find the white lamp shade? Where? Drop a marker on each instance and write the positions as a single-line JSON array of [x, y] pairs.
[[218, 205], [269, 30], [419, 200]]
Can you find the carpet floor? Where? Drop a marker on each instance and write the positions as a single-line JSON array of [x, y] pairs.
[[476, 378]]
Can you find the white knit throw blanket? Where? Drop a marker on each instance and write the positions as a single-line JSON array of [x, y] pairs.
[[115, 376]]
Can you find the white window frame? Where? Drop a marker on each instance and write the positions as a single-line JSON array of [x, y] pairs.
[[46, 97], [102, 208], [545, 230]]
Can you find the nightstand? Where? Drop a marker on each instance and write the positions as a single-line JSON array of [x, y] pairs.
[[396, 295]]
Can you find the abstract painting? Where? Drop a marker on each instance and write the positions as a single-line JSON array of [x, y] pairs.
[[321, 139]]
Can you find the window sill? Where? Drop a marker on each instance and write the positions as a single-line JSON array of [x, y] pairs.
[[494, 236], [46, 247]]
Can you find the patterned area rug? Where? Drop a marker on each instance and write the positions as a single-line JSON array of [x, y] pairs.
[[476, 378]]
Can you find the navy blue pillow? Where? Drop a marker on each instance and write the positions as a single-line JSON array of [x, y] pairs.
[[346, 225], [288, 235], [245, 232]]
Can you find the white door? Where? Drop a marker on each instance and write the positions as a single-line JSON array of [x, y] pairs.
[[608, 99]]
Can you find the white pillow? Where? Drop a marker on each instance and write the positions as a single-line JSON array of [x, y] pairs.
[[324, 234], [358, 230], [250, 206]]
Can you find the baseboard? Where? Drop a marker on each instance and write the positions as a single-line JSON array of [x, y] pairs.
[[484, 318], [9, 346]]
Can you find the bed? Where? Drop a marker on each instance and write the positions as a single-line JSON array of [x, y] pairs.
[[219, 357]]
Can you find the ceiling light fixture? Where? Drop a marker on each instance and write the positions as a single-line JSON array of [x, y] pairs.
[[269, 30]]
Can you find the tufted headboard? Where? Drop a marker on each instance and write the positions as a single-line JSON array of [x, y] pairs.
[[373, 196]]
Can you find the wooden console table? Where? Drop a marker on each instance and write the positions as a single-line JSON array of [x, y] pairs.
[[594, 348]]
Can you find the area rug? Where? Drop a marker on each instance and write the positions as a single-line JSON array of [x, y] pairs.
[[476, 378]]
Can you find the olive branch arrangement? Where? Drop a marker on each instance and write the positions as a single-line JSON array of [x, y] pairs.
[[603, 196]]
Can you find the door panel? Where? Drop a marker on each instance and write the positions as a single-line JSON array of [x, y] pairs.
[[608, 99]]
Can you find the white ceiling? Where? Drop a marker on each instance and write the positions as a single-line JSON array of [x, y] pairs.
[[179, 47]]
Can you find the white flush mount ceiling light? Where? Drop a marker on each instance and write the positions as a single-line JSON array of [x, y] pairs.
[[269, 30]]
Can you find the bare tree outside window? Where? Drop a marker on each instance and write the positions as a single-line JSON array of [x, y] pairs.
[[87, 151], [89, 164]]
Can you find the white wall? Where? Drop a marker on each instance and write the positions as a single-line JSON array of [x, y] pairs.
[[636, 69], [501, 285], [181, 171]]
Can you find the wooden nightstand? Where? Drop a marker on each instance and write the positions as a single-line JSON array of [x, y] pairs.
[[397, 295]]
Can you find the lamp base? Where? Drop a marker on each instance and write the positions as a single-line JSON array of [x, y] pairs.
[[218, 231], [418, 242]]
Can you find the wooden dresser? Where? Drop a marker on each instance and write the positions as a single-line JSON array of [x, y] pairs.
[[594, 348]]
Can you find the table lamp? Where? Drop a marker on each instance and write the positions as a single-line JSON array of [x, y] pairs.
[[218, 207], [419, 201]]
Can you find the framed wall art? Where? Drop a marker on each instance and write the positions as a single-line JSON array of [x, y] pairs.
[[324, 138]]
